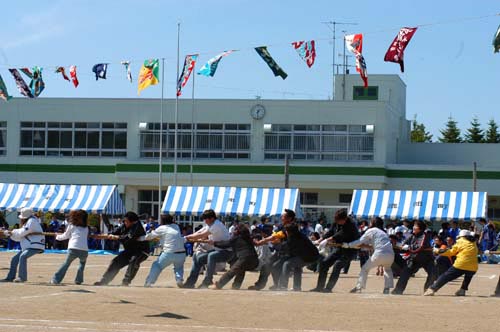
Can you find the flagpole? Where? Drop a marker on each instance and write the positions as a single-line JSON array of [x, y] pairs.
[[192, 136], [176, 107], [160, 162]]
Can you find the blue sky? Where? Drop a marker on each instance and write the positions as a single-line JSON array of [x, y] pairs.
[[450, 67]]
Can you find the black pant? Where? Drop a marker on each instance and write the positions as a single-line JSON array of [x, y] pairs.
[[237, 271], [339, 260], [451, 274], [398, 265], [412, 267], [497, 290], [266, 270], [442, 265], [131, 258]]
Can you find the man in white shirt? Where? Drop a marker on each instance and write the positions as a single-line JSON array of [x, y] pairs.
[[319, 227], [215, 231], [173, 252]]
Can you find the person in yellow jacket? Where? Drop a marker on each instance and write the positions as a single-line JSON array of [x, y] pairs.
[[465, 249]]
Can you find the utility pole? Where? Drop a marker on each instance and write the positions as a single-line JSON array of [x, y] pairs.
[[287, 171], [332, 26]]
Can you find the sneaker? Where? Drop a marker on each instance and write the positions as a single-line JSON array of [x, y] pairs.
[[255, 287], [355, 290], [386, 291], [316, 289], [53, 282], [460, 292], [19, 280], [396, 292], [99, 283], [6, 280], [78, 282], [125, 283], [326, 290], [214, 286], [429, 292], [147, 285], [187, 286], [273, 288], [179, 283]]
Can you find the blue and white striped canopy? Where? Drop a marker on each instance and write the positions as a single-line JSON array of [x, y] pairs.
[[419, 205], [61, 198], [231, 201]]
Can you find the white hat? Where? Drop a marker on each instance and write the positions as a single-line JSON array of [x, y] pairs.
[[25, 213], [463, 232]]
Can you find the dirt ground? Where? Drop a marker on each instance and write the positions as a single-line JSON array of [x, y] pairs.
[[38, 306]]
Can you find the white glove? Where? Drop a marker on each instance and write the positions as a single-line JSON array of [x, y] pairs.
[[405, 247], [345, 245], [486, 252], [6, 233]]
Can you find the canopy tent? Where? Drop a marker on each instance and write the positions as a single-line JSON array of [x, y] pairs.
[[419, 205], [233, 201], [61, 198]]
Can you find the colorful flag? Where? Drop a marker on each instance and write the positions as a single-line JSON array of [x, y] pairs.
[[4, 94], [21, 84], [72, 73], [63, 73], [361, 68], [189, 63], [496, 41], [264, 54], [306, 50], [148, 75], [127, 68], [395, 53], [354, 43], [210, 67], [36, 85], [100, 70]]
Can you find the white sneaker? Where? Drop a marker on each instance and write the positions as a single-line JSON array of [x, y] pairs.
[[18, 280], [429, 292]]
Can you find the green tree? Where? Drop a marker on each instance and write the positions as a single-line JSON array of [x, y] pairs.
[[492, 134], [451, 134], [474, 134], [418, 132]]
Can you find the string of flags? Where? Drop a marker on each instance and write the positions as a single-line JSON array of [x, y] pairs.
[[148, 73]]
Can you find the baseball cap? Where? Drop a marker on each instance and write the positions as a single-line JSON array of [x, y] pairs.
[[25, 213]]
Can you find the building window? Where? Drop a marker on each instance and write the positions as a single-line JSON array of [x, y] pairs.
[[309, 198], [206, 140], [3, 138], [68, 139], [319, 142], [148, 202], [345, 198], [362, 93]]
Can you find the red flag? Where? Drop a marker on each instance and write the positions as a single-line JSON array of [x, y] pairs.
[[361, 68], [395, 53], [354, 43], [306, 50], [72, 72]]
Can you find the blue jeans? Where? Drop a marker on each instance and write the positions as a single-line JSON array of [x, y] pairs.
[[165, 259], [72, 255], [294, 264], [21, 259], [211, 259], [452, 274]]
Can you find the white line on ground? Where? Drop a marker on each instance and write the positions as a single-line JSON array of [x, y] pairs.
[[120, 327]]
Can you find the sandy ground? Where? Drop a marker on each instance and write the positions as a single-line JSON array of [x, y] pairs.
[[38, 306]]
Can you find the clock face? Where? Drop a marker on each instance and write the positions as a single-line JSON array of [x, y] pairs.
[[258, 111]]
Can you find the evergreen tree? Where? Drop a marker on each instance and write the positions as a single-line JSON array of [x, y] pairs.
[[418, 133], [451, 134], [492, 134], [474, 134]]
